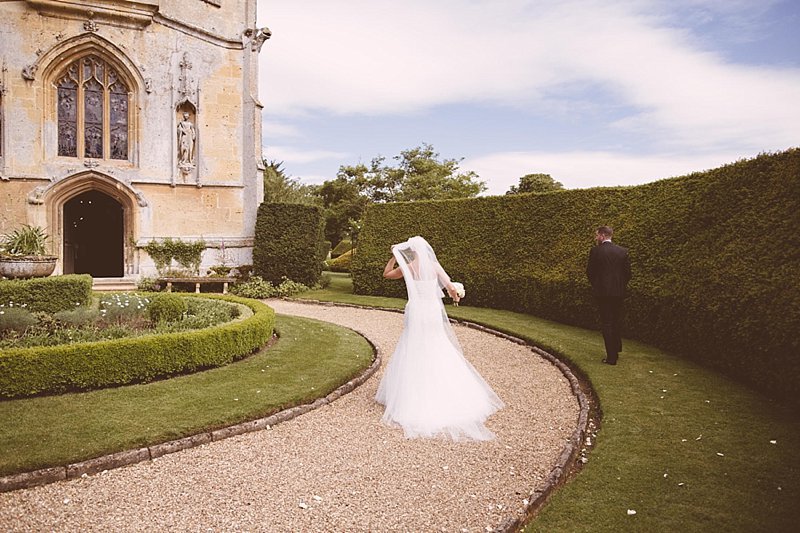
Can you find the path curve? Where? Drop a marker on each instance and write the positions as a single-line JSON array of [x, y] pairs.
[[337, 468]]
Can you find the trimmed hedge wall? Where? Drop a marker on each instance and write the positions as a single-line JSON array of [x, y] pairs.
[[715, 258], [289, 243], [94, 365], [50, 295]]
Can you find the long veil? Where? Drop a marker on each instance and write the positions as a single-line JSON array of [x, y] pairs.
[[429, 388]]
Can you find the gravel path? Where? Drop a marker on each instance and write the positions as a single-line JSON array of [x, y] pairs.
[[336, 468]]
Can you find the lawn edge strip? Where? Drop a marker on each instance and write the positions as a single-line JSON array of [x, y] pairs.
[[45, 476], [568, 459]]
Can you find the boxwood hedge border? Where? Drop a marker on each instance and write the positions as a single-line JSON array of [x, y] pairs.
[[95, 365]]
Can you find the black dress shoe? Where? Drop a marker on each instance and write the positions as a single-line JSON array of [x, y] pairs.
[[606, 361]]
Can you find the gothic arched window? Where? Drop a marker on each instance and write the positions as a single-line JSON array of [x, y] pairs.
[[92, 110]]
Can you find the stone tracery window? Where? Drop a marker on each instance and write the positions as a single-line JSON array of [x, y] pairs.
[[93, 110]]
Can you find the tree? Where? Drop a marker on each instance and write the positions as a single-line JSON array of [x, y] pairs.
[[343, 201], [279, 187], [535, 183], [418, 175]]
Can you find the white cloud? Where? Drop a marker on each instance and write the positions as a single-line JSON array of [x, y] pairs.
[[290, 155], [381, 57], [578, 170]]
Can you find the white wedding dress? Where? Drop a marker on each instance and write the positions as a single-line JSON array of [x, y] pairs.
[[429, 388]]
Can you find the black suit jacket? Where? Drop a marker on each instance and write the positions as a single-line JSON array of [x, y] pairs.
[[609, 270]]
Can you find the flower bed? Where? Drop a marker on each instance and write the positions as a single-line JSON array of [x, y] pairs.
[[94, 365]]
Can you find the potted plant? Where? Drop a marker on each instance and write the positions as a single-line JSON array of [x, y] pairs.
[[23, 254]]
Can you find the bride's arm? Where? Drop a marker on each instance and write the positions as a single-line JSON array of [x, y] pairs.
[[444, 279], [391, 271]]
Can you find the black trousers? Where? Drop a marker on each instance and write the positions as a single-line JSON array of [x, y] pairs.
[[611, 324]]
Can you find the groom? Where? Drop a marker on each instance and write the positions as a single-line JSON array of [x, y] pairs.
[[609, 271]]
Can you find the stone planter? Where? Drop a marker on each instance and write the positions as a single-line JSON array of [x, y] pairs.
[[27, 266]]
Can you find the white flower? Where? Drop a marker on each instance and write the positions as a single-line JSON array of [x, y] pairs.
[[459, 287], [631, 512]]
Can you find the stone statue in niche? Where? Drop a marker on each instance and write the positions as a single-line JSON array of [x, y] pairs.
[[186, 138]]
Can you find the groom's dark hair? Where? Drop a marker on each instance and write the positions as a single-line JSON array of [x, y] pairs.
[[605, 230]]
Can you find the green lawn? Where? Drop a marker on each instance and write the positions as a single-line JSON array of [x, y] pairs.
[[683, 447], [310, 359]]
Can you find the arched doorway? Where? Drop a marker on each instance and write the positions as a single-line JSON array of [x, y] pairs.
[[94, 235]]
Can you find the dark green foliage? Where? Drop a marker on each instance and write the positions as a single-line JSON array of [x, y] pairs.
[[50, 294], [288, 243], [166, 307], [344, 246], [715, 258], [93, 365], [341, 263]]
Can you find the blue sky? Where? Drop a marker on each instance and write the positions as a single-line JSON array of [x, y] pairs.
[[592, 92]]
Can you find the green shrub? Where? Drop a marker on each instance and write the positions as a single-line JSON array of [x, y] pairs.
[[341, 263], [92, 365], [715, 258], [288, 243], [50, 294], [16, 319], [166, 307], [344, 246], [146, 284], [259, 289], [80, 316], [255, 287]]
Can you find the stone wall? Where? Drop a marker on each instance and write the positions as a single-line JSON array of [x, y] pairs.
[[178, 60]]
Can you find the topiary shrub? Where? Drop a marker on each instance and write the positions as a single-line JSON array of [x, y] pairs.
[[166, 307], [341, 263], [288, 243], [50, 295]]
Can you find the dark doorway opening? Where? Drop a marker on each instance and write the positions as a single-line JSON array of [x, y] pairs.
[[93, 236]]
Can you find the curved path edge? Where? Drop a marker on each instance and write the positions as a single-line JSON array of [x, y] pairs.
[[44, 476], [569, 455], [557, 476]]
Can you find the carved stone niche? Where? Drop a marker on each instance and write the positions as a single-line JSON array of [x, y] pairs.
[[129, 13], [187, 140]]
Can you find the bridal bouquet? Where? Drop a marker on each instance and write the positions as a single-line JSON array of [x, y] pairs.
[[459, 290]]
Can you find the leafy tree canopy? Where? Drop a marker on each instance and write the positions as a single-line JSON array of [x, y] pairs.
[[282, 188], [418, 174], [535, 183]]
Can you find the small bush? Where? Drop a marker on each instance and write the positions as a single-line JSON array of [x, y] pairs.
[[289, 288], [255, 288], [166, 308], [325, 280], [80, 316], [243, 272], [259, 289], [16, 319], [341, 263], [146, 284]]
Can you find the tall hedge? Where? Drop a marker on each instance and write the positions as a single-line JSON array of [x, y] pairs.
[[715, 258], [50, 294], [289, 243]]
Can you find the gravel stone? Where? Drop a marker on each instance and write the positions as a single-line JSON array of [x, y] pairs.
[[337, 468]]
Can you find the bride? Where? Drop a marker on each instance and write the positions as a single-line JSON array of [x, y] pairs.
[[429, 388]]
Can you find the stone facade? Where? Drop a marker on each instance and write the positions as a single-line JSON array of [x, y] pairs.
[[126, 121]]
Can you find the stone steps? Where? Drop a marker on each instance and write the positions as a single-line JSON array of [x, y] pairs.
[[113, 284]]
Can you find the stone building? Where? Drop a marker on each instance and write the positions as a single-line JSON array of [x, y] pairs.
[[125, 121]]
